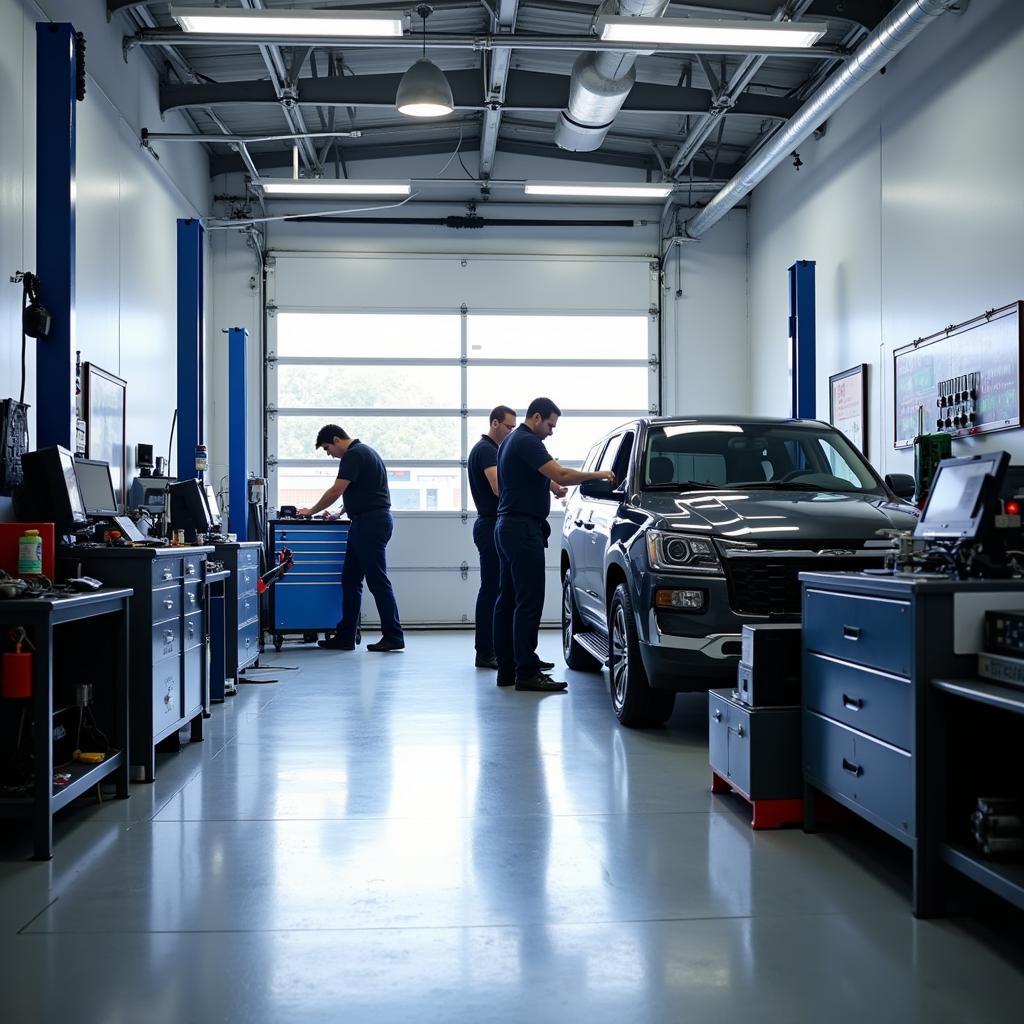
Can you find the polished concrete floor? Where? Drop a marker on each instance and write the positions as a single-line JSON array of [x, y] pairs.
[[393, 838]]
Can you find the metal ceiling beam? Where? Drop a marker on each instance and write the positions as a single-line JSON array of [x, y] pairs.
[[281, 80], [531, 91], [728, 93], [472, 41], [503, 23]]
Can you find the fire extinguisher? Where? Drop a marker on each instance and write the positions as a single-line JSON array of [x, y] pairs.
[[16, 677]]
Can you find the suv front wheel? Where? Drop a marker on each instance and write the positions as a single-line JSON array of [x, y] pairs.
[[575, 656], [634, 702]]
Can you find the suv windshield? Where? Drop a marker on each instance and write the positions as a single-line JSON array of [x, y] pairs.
[[680, 456]]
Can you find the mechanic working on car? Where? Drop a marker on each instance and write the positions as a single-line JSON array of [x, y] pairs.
[[525, 474], [363, 485]]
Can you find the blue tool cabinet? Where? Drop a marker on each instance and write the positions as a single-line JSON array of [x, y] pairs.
[[307, 599]]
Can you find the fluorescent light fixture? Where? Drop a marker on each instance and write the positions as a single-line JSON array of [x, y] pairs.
[[278, 23], [330, 188], [599, 190], [719, 32]]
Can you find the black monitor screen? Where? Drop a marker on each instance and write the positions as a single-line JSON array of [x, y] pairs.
[[212, 505], [963, 493], [188, 507], [50, 492], [96, 487]]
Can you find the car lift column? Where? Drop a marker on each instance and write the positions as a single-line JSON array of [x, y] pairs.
[[802, 338], [190, 345], [238, 463], [56, 97]]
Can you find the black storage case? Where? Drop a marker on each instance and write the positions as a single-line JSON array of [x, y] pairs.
[[769, 669]]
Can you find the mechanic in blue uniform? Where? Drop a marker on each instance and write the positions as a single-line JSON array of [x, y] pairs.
[[363, 485], [527, 475]]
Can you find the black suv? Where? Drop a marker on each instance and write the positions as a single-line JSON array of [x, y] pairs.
[[710, 523]]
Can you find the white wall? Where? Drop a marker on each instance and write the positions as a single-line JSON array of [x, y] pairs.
[[707, 324], [127, 206], [912, 207]]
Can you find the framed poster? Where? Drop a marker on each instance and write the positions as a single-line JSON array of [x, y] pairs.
[[103, 409], [848, 404]]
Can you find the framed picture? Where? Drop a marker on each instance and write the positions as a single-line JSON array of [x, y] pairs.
[[103, 406], [848, 404]]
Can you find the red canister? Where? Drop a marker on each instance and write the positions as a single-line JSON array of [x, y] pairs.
[[16, 674]]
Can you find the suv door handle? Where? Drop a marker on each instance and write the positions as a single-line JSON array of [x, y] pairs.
[[588, 526], [577, 522]]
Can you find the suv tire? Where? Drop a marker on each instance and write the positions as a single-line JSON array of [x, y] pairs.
[[576, 657], [635, 703]]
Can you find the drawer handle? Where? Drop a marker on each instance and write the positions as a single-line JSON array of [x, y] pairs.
[[168, 574], [168, 602], [168, 636], [191, 570], [853, 769], [851, 632], [740, 731], [852, 703], [717, 715]]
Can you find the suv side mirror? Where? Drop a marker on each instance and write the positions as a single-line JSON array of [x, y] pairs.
[[596, 489], [901, 484]]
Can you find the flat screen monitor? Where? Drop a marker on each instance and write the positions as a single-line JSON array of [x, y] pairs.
[[963, 497], [188, 507], [97, 488], [49, 492], [212, 505]]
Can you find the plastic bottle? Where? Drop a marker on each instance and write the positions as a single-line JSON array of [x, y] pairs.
[[30, 554]]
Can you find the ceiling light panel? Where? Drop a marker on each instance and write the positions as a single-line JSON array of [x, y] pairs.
[[701, 32], [321, 189], [276, 23], [598, 190]]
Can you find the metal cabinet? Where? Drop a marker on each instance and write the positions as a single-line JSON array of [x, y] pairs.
[[307, 600], [871, 645], [168, 685], [756, 750], [241, 605]]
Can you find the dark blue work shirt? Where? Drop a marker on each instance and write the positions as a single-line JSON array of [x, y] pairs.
[[483, 456], [367, 489], [524, 491]]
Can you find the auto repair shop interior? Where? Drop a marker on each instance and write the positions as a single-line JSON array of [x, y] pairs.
[[762, 260]]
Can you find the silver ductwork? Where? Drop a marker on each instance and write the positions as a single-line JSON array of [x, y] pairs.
[[599, 86], [892, 34]]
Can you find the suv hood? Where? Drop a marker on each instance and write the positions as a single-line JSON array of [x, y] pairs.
[[778, 516]]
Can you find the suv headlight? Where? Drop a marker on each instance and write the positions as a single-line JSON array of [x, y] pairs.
[[679, 553]]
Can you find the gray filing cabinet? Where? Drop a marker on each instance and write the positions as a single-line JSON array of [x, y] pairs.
[[168, 685], [241, 605], [871, 646]]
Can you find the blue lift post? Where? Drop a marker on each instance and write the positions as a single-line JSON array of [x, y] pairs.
[[190, 345], [802, 338], [238, 498], [56, 100]]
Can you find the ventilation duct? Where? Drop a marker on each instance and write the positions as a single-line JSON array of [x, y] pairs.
[[599, 86]]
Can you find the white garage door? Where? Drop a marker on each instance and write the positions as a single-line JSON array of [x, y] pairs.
[[410, 353]]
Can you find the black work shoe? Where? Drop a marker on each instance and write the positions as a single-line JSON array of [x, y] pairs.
[[334, 644], [541, 683], [491, 662], [387, 645], [545, 666], [509, 680]]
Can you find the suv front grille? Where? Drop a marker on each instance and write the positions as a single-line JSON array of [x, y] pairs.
[[771, 586]]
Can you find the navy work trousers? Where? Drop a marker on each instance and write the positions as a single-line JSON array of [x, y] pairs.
[[368, 538], [487, 596], [520, 543]]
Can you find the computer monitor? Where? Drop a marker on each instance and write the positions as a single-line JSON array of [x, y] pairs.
[[188, 507], [963, 497], [97, 488], [49, 492], [213, 506]]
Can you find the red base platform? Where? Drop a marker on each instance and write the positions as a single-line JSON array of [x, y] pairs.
[[767, 813]]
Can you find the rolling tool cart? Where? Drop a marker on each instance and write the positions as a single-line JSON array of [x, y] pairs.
[[307, 601]]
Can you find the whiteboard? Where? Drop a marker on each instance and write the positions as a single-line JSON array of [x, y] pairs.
[[989, 345]]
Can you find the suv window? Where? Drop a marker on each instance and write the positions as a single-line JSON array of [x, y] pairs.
[[610, 453], [754, 454]]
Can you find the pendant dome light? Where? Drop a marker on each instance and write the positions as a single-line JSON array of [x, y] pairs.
[[424, 91]]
